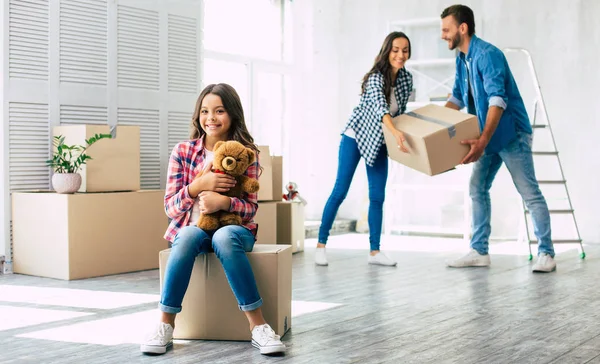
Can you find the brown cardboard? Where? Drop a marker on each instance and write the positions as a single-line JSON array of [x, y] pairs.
[[115, 163], [277, 162], [265, 179], [266, 218], [73, 236], [290, 225], [431, 149], [210, 310]]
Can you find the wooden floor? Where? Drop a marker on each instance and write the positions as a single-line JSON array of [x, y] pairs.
[[349, 312]]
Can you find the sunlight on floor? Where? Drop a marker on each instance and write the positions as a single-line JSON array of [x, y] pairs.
[[126, 329], [73, 297], [404, 243], [16, 317], [300, 308], [131, 329]]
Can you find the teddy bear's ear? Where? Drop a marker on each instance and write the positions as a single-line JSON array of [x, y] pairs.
[[218, 144], [251, 155]]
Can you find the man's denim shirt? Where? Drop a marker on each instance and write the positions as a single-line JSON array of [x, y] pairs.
[[493, 85]]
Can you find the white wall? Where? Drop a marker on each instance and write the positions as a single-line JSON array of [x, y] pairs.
[[561, 37], [315, 134]]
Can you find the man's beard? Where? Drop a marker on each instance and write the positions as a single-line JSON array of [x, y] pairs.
[[455, 41]]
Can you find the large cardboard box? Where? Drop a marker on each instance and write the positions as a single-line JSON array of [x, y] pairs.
[[115, 163], [266, 218], [72, 236], [265, 193], [210, 310], [290, 225], [433, 134]]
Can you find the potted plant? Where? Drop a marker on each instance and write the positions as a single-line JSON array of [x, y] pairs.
[[67, 161]]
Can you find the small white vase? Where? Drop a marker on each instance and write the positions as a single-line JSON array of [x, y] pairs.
[[66, 182]]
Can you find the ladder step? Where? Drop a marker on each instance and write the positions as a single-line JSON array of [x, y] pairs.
[[552, 182], [539, 126], [545, 153], [566, 211], [561, 241]]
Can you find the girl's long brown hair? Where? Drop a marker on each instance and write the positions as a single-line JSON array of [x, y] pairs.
[[382, 64], [233, 105]]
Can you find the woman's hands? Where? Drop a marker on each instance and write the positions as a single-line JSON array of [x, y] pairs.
[[401, 140], [398, 135]]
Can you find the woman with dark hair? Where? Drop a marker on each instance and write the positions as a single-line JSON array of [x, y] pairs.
[[384, 94], [218, 116]]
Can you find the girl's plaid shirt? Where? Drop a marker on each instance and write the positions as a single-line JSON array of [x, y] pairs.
[[186, 161]]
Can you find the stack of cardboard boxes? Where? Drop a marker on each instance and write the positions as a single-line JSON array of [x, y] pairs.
[[109, 226], [279, 222]]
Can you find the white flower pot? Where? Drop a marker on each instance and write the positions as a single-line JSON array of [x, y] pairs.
[[66, 182]]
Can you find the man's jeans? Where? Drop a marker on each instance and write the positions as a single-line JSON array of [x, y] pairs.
[[348, 159], [230, 244], [519, 160]]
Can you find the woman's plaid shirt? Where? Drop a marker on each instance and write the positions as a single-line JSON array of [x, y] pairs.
[[366, 118]]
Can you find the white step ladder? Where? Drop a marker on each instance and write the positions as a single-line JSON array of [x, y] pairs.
[[525, 234]]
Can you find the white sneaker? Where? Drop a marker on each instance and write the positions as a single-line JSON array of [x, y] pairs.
[[320, 257], [472, 259], [381, 259], [265, 339], [159, 341], [545, 264]]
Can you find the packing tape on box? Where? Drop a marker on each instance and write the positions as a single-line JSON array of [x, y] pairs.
[[451, 128]]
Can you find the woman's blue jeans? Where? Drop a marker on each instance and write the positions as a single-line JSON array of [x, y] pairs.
[[348, 159]]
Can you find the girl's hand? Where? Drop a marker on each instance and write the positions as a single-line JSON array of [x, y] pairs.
[[210, 202], [210, 181], [401, 140]]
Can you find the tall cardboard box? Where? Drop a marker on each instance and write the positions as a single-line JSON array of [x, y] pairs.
[[210, 310], [277, 162], [290, 225], [115, 163], [433, 134], [266, 218], [73, 236], [265, 193]]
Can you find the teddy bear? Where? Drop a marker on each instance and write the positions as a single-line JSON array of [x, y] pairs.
[[232, 158], [292, 194]]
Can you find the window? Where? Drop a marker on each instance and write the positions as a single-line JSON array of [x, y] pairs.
[[249, 28], [232, 73], [250, 49]]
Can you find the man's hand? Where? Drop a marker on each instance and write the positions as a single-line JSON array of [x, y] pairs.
[[451, 105], [210, 202], [477, 149]]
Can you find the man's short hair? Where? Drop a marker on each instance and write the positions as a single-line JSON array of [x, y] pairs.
[[462, 14]]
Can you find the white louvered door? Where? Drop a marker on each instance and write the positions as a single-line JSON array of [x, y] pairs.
[[179, 128], [29, 143], [83, 41], [148, 122], [28, 39], [126, 62]]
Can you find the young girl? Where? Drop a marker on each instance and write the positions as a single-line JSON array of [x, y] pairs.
[[218, 117], [385, 91]]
